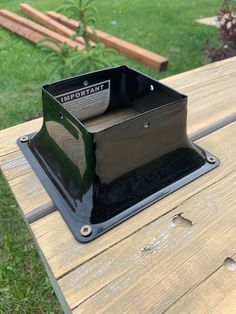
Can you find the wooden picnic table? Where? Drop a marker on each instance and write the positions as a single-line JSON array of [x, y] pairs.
[[176, 256]]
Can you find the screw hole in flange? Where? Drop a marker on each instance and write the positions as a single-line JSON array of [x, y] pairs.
[[61, 116], [211, 160], [86, 230], [86, 83], [24, 139]]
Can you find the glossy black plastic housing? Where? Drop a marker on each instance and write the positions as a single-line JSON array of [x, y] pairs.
[[100, 178]]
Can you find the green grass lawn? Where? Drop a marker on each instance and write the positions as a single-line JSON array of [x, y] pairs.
[[164, 26]]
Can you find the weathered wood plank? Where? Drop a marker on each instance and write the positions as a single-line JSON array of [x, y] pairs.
[[15, 165], [216, 294], [211, 93], [75, 253], [31, 196], [148, 58], [9, 136], [202, 74], [34, 27], [29, 192]]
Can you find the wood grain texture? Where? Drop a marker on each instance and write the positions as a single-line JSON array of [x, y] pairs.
[[50, 23], [23, 31], [211, 93], [14, 165], [148, 58], [29, 192], [215, 294], [43, 31], [202, 74], [8, 137]]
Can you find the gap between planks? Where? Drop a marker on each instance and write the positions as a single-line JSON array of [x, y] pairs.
[[216, 294]]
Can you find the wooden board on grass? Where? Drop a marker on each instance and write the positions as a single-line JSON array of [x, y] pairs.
[[148, 58], [50, 23], [23, 31], [35, 30]]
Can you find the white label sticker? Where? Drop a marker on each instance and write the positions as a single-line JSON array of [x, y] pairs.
[[87, 102]]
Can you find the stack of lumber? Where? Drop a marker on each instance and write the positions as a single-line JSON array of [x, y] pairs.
[[31, 30], [61, 29]]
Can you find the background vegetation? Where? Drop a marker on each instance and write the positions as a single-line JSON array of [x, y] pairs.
[[167, 27]]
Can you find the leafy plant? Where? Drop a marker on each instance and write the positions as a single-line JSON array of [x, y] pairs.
[[73, 61], [227, 34], [92, 59], [84, 12], [60, 54]]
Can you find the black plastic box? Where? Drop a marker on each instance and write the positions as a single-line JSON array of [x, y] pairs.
[[112, 143]]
